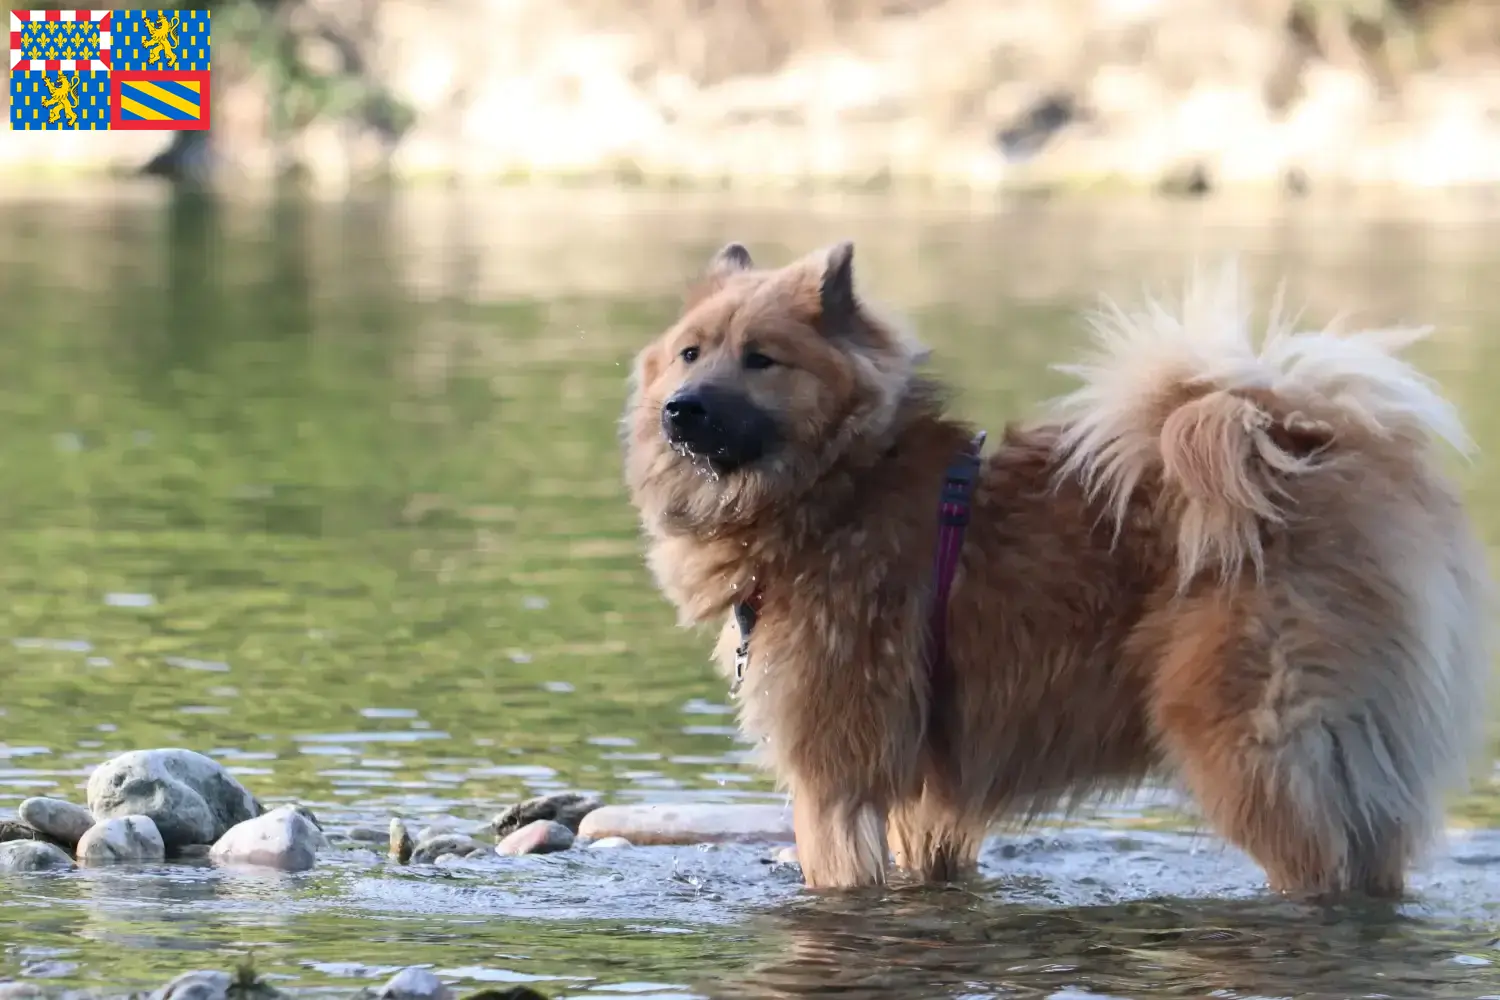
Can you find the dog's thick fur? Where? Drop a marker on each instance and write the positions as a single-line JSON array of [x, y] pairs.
[[1238, 565]]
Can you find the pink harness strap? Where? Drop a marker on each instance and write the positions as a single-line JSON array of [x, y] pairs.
[[954, 511]]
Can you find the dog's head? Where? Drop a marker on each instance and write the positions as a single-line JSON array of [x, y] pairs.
[[767, 379]]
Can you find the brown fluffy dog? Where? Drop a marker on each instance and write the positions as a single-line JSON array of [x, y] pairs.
[[1238, 566]]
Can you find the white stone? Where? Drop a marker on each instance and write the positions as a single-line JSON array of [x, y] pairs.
[[22, 991], [414, 983], [122, 840], [609, 844], [284, 838], [690, 824]]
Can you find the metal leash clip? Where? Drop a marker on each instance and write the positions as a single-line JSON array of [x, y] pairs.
[[741, 661], [744, 617]]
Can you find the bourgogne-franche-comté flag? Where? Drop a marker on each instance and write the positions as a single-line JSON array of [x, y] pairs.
[[98, 70]]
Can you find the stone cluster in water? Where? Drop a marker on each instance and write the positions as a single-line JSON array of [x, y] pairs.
[[174, 805]]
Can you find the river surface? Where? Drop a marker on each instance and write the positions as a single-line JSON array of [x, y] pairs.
[[332, 493]]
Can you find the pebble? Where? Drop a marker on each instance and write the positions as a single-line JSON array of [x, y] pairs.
[[567, 808], [60, 821], [609, 844], [367, 834], [451, 824], [400, 842], [32, 856], [200, 985], [286, 838], [414, 983], [690, 824], [120, 840], [541, 836], [456, 844], [191, 798]]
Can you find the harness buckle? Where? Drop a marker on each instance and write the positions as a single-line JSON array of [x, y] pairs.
[[741, 661], [745, 614]]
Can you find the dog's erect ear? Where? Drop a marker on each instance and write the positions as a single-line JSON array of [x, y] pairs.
[[836, 302], [732, 259]]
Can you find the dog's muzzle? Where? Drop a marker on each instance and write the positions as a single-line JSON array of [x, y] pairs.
[[719, 426]]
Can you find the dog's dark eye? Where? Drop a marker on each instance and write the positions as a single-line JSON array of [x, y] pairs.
[[688, 354], [755, 360]]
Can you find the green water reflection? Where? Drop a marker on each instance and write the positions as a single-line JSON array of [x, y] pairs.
[[332, 492]]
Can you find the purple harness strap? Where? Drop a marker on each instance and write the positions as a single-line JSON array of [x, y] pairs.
[[954, 511]]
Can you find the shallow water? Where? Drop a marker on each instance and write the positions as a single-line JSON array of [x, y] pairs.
[[331, 493]]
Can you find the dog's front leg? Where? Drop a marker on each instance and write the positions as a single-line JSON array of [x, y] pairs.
[[840, 840]]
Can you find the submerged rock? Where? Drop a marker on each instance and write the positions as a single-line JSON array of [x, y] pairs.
[[285, 838], [690, 824], [451, 824], [429, 850], [122, 840], [208, 984], [200, 985], [786, 855], [63, 822], [567, 808], [414, 983], [401, 844], [541, 836], [609, 844], [366, 834], [21, 991], [191, 798], [32, 856]]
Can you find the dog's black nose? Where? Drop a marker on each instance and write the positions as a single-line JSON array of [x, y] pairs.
[[683, 412]]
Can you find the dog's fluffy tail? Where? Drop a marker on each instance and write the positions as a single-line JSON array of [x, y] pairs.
[[1226, 425]]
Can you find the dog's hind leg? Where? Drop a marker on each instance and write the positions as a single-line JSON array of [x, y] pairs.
[[840, 840], [1301, 779], [1265, 803]]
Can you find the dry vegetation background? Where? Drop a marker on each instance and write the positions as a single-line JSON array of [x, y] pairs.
[[1189, 95]]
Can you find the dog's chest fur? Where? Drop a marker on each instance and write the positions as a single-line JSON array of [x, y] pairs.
[[837, 670]]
